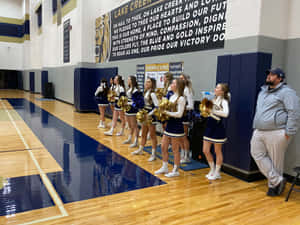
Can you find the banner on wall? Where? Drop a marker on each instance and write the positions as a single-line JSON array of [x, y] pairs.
[[143, 28], [157, 72]]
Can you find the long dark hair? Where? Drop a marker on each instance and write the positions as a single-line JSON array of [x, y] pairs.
[[153, 85], [121, 81], [188, 82], [169, 77], [180, 85], [106, 88], [134, 83], [112, 85]]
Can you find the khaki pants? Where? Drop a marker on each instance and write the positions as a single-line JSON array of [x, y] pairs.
[[268, 149]]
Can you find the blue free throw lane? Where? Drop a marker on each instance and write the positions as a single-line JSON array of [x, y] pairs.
[[22, 194], [89, 168]]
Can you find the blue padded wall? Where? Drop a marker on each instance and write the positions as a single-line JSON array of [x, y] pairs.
[[31, 82], [245, 74], [44, 81], [86, 81]]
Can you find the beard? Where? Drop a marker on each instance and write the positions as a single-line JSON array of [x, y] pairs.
[[270, 83]]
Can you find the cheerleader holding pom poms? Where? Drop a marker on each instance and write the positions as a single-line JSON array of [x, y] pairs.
[[135, 102], [151, 103], [188, 94], [119, 91], [101, 98], [174, 131], [215, 131]]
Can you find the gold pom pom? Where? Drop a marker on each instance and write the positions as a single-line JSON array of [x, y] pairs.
[[123, 103], [111, 96], [164, 105], [160, 93], [142, 117], [205, 107]]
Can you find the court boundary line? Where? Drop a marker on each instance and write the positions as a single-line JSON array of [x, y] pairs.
[[20, 150], [56, 199]]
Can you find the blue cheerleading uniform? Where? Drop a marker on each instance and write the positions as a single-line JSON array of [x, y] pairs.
[[187, 117], [215, 130], [120, 91], [135, 100], [151, 102], [101, 95], [174, 126]]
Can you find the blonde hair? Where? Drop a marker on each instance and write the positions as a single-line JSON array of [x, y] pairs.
[[225, 89]]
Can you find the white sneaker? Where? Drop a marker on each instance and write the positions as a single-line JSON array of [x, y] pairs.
[[162, 170], [172, 174], [128, 141], [214, 176], [152, 158], [210, 173], [137, 152], [121, 133], [133, 145], [109, 133], [101, 126], [185, 160]]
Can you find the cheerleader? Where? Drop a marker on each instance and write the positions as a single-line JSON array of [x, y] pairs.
[[215, 131], [111, 89], [120, 91], [101, 97], [174, 131], [168, 77], [188, 94], [136, 102], [151, 102]]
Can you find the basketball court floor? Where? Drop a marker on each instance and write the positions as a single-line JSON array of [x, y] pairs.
[[58, 168]]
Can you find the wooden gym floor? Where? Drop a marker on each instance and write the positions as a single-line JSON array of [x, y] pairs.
[[187, 199]]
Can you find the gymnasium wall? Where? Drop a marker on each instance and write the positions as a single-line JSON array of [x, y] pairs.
[[252, 25], [12, 9], [11, 54]]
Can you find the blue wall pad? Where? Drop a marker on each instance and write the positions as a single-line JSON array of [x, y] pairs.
[[44, 81], [31, 82], [245, 74], [21, 194], [90, 169], [194, 165], [86, 82]]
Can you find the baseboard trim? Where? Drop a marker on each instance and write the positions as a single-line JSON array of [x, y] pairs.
[[244, 175], [69, 103]]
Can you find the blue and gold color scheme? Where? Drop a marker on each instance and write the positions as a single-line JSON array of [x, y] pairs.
[[66, 7], [39, 12], [90, 169], [14, 30]]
